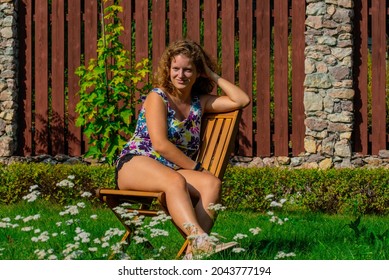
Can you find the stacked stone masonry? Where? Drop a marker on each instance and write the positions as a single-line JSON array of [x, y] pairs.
[[328, 97], [8, 77]]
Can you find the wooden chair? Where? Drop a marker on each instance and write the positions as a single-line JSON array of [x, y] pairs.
[[217, 141]]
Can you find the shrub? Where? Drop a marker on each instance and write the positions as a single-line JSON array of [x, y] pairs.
[[347, 191], [353, 191], [16, 180]]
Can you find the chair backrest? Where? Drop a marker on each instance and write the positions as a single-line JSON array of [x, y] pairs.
[[218, 131]]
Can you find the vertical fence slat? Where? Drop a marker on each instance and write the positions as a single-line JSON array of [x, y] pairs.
[[228, 40], [26, 57], [263, 134], [281, 78], [245, 74], [378, 76], [74, 135], [175, 20], [91, 13], [210, 23], [57, 122], [126, 18], [107, 21], [41, 134], [360, 133], [298, 76], [141, 30], [193, 20], [159, 30]]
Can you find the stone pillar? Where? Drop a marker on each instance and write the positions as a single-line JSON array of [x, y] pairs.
[[328, 97], [8, 77]]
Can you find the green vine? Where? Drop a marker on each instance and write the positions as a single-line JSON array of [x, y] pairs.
[[109, 91]]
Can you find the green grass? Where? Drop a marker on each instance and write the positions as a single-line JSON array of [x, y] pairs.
[[309, 236]]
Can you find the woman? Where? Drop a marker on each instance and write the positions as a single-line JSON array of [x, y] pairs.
[[159, 155]]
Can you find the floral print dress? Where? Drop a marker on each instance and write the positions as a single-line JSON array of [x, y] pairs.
[[184, 134]]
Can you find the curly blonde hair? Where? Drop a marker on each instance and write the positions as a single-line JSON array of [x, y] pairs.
[[193, 51]]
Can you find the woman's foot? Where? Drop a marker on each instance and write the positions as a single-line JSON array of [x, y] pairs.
[[203, 245]]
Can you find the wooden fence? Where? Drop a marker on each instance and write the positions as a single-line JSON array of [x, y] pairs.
[[252, 40], [371, 78]]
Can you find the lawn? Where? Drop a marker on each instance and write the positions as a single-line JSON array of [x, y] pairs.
[[44, 230]]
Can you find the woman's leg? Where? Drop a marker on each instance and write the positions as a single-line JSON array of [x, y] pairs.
[[146, 174], [206, 187]]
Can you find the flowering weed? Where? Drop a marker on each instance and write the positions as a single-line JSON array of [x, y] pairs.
[[83, 230]]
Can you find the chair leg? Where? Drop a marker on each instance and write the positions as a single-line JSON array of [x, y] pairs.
[[127, 238], [182, 250]]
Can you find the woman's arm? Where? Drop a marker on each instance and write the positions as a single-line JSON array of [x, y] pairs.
[[235, 97], [156, 115]]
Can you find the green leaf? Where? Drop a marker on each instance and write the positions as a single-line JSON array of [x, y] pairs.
[[126, 116]]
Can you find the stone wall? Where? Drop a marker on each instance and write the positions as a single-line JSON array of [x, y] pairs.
[[328, 97], [8, 77]]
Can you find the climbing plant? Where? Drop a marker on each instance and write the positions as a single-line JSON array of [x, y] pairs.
[[110, 87]]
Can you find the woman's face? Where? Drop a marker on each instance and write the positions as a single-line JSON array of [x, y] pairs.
[[183, 73]]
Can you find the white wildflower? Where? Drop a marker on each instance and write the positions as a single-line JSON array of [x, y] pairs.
[[66, 183], [97, 241], [27, 228], [30, 218], [7, 220], [283, 255], [92, 249], [70, 209], [3, 225], [43, 237], [240, 236], [81, 204], [32, 196], [275, 204], [93, 217], [34, 187], [269, 196], [158, 232], [255, 231], [114, 232], [216, 207], [71, 177], [82, 235], [70, 248], [238, 250], [139, 239], [40, 253], [86, 194]]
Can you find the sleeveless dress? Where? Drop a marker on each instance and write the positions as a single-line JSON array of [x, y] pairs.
[[184, 134]]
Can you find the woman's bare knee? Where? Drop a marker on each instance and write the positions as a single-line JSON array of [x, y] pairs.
[[176, 183], [214, 185]]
